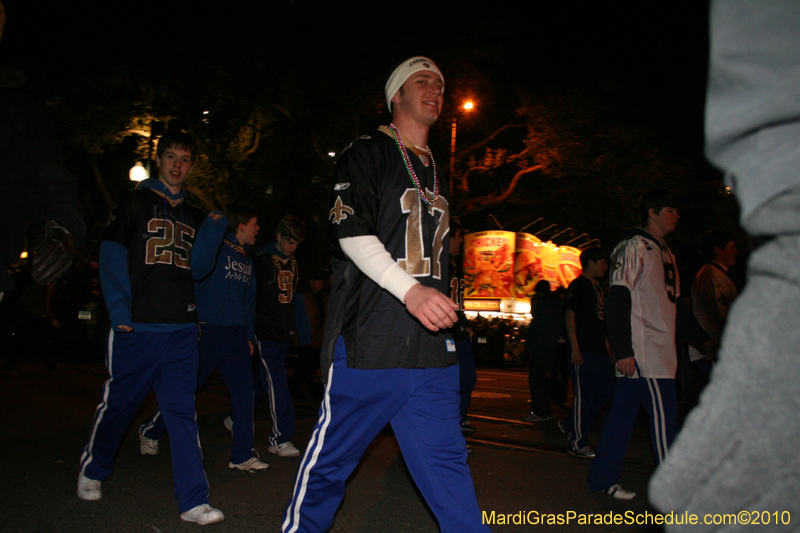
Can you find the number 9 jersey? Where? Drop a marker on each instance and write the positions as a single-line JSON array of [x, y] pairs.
[[374, 194], [159, 239]]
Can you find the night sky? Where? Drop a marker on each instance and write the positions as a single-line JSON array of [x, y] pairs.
[[658, 51], [653, 54]]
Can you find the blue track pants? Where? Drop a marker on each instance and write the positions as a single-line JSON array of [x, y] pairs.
[[659, 399], [167, 363], [422, 406], [271, 380], [224, 348], [593, 383]]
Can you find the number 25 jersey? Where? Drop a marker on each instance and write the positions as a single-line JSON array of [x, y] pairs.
[[159, 239]]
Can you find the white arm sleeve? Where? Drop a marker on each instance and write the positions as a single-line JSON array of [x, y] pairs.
[[370, 256]]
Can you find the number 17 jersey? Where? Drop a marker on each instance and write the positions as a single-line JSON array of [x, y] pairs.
[[374, 194]]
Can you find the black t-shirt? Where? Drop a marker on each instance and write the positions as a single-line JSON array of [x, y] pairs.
[[374, 195], [586, 299]]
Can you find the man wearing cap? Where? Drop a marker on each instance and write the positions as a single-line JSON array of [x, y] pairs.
[[386, 355]]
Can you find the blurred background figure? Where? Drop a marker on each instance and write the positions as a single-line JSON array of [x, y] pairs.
[[34, 185], [718, 464], [713, 293], [541, 344]]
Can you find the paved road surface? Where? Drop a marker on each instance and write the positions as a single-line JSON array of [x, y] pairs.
[[517, 467]]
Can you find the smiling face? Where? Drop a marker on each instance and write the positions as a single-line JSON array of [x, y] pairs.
[[420, 98], [174, 165]]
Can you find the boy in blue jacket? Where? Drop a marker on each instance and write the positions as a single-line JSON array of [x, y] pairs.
[[152, 247], [226, 301]]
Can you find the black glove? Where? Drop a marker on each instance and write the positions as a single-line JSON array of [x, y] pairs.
[[54, 253]]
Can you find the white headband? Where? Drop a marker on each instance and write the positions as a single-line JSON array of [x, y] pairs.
[[403, 71]]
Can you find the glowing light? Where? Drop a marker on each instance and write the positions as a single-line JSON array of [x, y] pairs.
[[23, 255], [138, 172], [331, 154], [468, 106]]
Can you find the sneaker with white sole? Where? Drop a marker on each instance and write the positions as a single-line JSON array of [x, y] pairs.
[[287, 449], [202, 515], [228, 423], [251, 465], [89, 489], [586, 452], [148, 446], [619, 493]]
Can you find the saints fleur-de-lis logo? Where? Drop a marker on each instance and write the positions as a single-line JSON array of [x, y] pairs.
[[339, 211]]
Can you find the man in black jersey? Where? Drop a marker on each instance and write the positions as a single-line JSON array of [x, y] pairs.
[[590, 366], [152, 247], [387, 356], [276, 279]]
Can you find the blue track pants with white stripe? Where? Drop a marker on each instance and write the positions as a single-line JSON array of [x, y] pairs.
[[271, 380], [224, 348], [659, 399], [167, 363], [593, 383], [422, 406]]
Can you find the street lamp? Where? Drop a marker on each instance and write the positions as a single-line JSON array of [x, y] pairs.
[[468, 106], [138, 172]]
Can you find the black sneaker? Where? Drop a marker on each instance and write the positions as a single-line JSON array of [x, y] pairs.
[[533, 417], [466, 427]]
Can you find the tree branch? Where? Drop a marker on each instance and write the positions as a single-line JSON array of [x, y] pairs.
[[488, 139], [483, 201]]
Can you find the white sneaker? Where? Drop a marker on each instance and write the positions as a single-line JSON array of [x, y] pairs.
[[586, 452], [202, 515], [251, 465], [228, 423], [287, 449], [619, 493], [148, 446], [89, 489]]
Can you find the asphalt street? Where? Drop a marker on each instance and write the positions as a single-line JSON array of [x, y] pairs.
[[521, 470]]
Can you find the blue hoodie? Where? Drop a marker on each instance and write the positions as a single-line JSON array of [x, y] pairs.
[[227, 297]]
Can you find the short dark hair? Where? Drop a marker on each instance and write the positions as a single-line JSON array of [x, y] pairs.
[[713, 239], [177, 139], [292, 227], [592, 253], [655, 199], [239, 214]]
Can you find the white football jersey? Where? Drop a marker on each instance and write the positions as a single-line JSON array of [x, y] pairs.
[[649, 272]]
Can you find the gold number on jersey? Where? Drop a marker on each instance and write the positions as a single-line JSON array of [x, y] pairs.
[[167, 245], [415, 262], [285, 279], [457, 292]]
